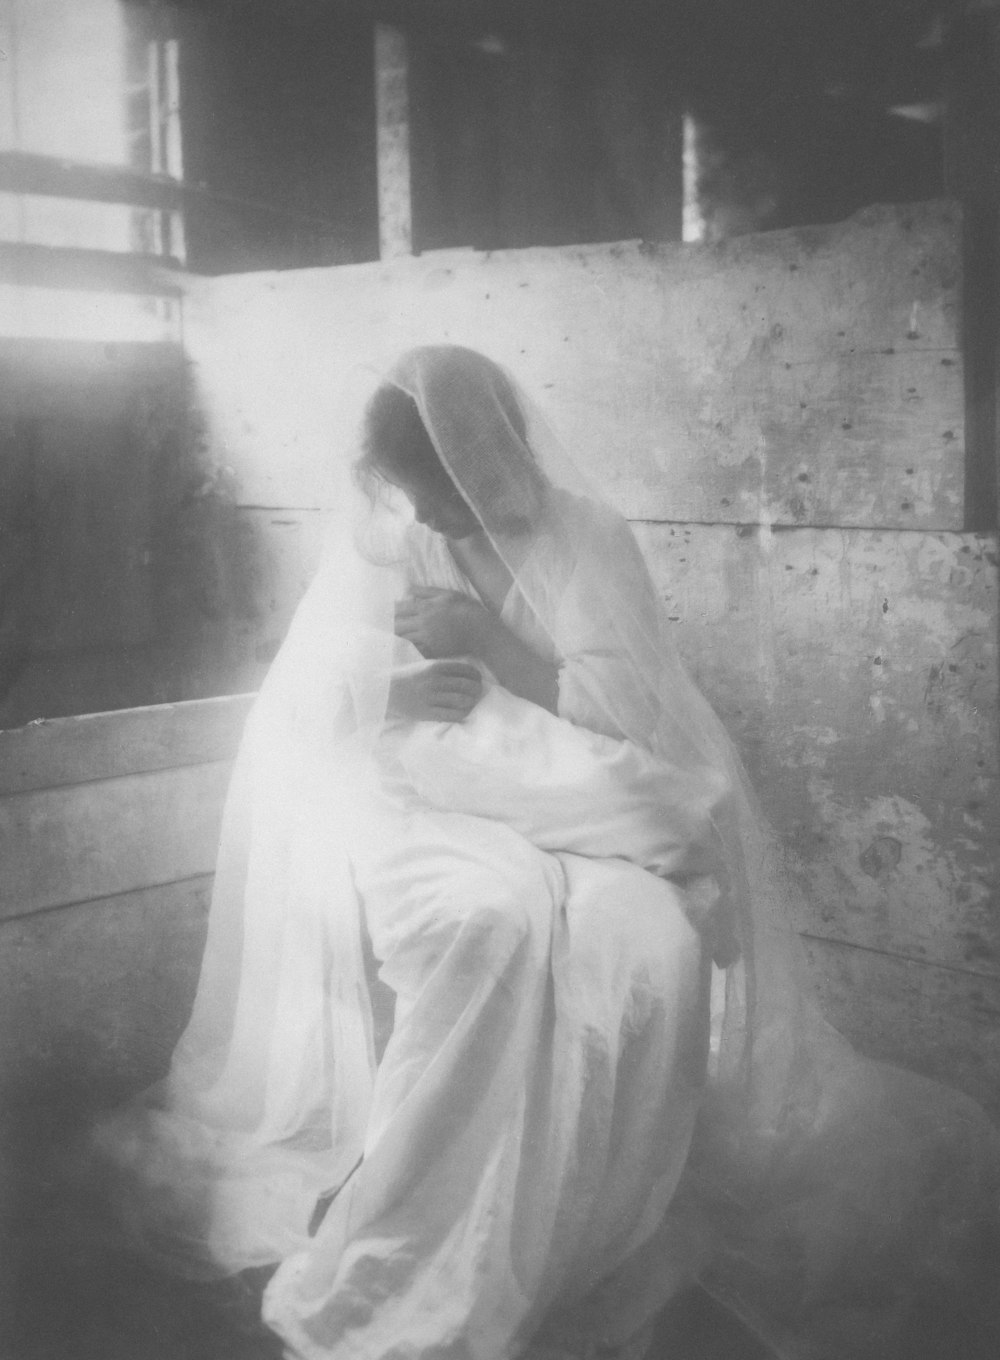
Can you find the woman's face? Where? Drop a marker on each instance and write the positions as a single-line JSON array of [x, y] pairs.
[[436, 500]]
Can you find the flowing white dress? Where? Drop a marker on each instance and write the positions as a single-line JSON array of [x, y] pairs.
[[533, 1108]]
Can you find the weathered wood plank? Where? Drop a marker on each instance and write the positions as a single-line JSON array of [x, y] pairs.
[[857, 671], [93, 999], [392, 141], [61, 751], [27, 172], [942, 1022], [106, 271], [799, 376], [87, 841]]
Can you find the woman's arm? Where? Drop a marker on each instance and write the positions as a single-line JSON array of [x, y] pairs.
[[516, 665], [605, 625], [446, 623]]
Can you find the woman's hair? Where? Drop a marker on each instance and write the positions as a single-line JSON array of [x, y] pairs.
[[479, 415], [394, 439]]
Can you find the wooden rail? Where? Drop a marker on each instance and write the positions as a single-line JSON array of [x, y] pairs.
[[30, 265], [108, 832], [25, 172]]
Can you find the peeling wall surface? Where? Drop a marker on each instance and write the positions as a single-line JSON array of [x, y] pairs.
[[857, 671]]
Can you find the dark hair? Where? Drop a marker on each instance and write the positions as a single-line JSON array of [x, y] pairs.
[[396, 445], [394, 439]]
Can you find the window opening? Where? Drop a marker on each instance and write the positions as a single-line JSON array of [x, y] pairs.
[[91, 212]]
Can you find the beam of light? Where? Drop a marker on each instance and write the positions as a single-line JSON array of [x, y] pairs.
[[63, 86], [62, 314]]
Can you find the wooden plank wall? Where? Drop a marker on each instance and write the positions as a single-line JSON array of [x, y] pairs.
[[795, 377], [782, 417], [108, 830], [91, 474]]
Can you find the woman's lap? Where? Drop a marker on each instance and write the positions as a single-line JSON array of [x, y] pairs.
[[433, 883], [427, 880], [533, 1106]]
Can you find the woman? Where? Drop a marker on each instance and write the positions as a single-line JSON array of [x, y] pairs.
[[478, 771], [533, 1108]]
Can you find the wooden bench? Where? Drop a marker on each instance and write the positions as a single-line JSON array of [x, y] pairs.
[[108, 831]]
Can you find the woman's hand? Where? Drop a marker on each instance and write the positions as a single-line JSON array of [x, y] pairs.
[[446, 623], [441, 623], [435, 691]]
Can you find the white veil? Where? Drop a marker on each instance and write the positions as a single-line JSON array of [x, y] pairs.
[[825, 1193]]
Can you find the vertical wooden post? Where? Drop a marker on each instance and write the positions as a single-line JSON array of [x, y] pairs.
[[972, 175], [392, 117], [172, 150], [166, 156]]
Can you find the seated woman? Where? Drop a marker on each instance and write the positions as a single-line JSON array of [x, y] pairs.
[[527, 880], [478, 760]]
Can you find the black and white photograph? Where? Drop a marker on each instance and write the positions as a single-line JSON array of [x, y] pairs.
[[499, 681]]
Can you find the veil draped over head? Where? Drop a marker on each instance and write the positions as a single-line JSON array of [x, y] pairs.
[[824, 1193]]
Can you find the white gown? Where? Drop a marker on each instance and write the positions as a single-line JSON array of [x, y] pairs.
[[534, 1106]]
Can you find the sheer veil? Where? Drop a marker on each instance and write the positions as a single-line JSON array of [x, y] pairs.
[[825, 1193]]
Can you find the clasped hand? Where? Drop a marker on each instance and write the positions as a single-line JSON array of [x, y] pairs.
[[444, 626], [440, 623]]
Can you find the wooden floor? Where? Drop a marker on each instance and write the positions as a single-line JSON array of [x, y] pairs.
[[124, 1313], [70, 1291]]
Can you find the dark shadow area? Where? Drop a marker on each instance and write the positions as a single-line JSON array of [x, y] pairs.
[[73, 1289]]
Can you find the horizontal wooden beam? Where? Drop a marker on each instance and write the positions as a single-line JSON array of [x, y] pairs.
[[104, 271], [55, 752], [82, 842], [25, 172]]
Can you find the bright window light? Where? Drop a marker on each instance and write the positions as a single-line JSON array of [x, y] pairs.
[[63, 93], [64, 314], [62, 85]]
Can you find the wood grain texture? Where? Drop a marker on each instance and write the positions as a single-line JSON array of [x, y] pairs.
[[857, 672], [802, 376], [93, 998], [111, 271], [87, 841], [78, 750]]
